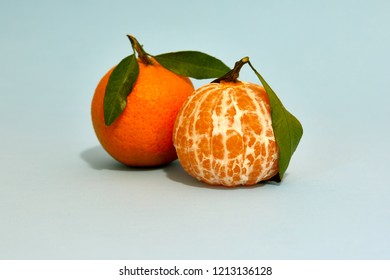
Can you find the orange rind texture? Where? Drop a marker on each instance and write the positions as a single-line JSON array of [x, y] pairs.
[[142, 134]]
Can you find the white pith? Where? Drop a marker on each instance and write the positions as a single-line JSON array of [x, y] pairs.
[[221, 127]]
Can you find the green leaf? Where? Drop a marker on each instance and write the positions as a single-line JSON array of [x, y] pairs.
[[193, 64], [287, 129], [119, 86]]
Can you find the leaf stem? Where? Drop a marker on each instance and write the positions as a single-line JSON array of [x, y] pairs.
[[142, 54], [232, 75]]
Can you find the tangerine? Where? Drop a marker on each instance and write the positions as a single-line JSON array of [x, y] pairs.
[[142, 134], [223, 134]]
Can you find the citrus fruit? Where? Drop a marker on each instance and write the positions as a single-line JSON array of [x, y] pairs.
[[142, 134], [223, 134]]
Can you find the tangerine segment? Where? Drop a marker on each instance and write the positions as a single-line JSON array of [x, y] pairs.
[[142, 134], [223, 135]]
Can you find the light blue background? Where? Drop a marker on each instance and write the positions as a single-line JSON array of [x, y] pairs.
[[63, 197]]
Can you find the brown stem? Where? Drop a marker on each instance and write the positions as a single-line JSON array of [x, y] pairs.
[[142, 55], [232, 75]]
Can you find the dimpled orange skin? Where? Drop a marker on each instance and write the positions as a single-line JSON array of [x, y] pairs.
[[223, 135], [142, 134]]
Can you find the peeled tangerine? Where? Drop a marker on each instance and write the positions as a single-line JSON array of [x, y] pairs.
[[223, 135]]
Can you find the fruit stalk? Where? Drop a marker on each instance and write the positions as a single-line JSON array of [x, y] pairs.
[[232, 75], [142, 54]]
